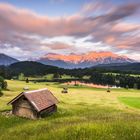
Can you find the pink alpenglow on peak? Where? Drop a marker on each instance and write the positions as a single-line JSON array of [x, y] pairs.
[[83, 60]]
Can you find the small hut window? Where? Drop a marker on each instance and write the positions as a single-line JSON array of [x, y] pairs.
[[24, 99]]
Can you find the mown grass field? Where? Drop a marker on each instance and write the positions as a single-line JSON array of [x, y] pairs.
[[83, 114], [131, 101]]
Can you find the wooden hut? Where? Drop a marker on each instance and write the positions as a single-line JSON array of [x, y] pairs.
[[33, 104]]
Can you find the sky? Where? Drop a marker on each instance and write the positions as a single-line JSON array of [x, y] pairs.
[[29, 29]]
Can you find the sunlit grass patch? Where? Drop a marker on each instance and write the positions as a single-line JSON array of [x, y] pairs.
[[131, 101]]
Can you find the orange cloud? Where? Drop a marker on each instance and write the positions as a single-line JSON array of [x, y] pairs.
[[109, 39]]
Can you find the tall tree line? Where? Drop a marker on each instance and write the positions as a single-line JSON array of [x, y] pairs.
[[119, 80]]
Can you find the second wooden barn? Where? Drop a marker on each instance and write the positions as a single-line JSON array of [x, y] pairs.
[[33, 104]]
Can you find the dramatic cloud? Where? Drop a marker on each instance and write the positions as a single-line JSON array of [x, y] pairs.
[[58, 46], [120, 13], [27, 31]]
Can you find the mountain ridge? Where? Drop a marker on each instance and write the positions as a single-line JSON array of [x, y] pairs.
[[7, 60], [83, 60], [72, 61]]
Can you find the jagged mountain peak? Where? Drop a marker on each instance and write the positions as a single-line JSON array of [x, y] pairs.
[[83, 60]]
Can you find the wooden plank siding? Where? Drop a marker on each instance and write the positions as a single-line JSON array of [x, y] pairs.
[[34, 104], [22, 107]]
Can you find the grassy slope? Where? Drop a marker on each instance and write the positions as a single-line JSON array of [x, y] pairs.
[[84, 113]]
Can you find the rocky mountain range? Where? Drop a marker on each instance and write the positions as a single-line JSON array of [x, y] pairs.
[[83, 60], [73, 60]]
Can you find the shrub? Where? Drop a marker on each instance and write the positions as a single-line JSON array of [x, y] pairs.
[[1, 93], [3, 83], [21, 77], [27, 80]]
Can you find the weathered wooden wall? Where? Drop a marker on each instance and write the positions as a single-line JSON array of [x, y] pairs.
[[48, 111], [23, 108]]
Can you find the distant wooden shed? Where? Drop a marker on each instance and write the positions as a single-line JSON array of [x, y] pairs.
[[33, 104]]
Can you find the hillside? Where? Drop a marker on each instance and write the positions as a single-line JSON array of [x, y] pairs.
[[35, 68], [128, 67], [31, 68], [83, 114]]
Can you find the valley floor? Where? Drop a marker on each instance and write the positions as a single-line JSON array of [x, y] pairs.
[[85, 113]]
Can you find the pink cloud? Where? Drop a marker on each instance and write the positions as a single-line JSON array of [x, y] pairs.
[[58, 46], [108, 28], [20, 20]]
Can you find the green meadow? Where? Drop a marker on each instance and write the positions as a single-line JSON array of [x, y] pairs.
[[131, 101], [83, 114]]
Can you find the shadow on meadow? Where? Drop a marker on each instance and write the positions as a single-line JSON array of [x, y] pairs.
[[1, 93]]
